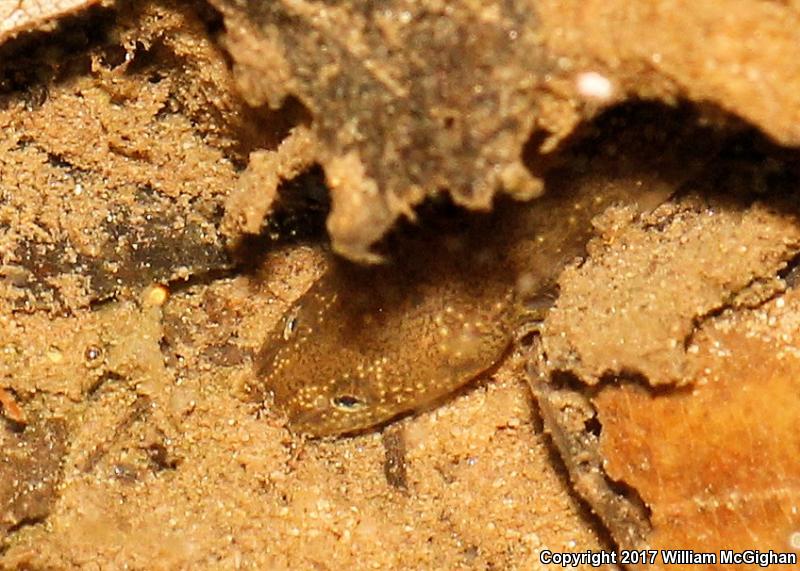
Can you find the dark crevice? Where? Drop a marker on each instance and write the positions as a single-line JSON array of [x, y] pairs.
[[791, 273], [26, 522], [198, 279], [137, 411], [108, 377], [298, 217], [160, 458], [631, 494], [35, 59], [731, 304], [593, 426], [640, 381]]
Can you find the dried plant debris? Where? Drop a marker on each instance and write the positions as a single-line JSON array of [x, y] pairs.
[[410, 98], [658, 388], [632, 307], [716, 464], [570, 419], [406, 98]]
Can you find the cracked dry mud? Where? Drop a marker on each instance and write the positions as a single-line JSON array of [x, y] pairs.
[[664, 368]]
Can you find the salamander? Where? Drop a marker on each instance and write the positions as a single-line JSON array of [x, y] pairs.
[[366, 344]]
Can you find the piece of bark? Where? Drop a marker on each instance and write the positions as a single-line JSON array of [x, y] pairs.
[[407, 99], [569, 417]]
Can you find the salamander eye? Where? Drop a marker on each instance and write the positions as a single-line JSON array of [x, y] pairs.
[[290, 325], [348, 403]]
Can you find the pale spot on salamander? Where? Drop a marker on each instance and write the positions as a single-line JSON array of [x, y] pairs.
[[368, 343]]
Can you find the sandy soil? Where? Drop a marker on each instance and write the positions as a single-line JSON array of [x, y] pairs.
[[134, 434]]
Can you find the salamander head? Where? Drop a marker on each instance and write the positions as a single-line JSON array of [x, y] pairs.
[[349, 356]]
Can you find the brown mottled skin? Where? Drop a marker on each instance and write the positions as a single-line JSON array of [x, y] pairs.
[[368, 343]]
